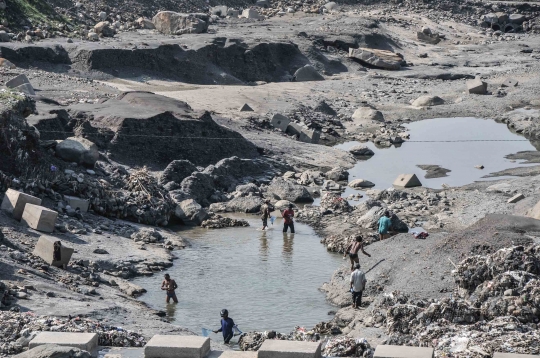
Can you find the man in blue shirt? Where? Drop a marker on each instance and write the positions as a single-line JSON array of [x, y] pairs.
[[227, 325], [384, 225]]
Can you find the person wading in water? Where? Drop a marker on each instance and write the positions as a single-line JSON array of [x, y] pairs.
[[170, 286], [288, 221]]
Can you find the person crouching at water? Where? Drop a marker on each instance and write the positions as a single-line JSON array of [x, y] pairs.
[[170, 286], [288, 221], [384, 225], [227, 325], [353, 249]]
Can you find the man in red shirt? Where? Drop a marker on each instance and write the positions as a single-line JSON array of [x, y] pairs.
[[288, 216]]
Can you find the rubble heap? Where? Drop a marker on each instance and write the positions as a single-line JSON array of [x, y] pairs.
[[219, 222], [17, 329]]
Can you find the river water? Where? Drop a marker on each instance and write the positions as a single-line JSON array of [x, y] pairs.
[[267, 280], [457, 144], [270, 281]]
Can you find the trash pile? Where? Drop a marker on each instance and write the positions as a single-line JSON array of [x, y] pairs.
[[347, 347], [17, 329], [219, 222], [252, 341], [334, 202]]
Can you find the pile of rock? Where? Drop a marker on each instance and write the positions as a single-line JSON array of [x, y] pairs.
[[219, 222], [17, 329]]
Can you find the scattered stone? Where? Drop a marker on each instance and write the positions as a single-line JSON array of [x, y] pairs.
[[428, 101], [434, 171], [367, 115], [361, 183], [378, 58], [144, 23], [361, 151], [104, 29], [307, 73], [479, 166], [100, 251], [325, 108]]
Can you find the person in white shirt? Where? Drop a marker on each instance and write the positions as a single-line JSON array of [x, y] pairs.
[[358, 284]]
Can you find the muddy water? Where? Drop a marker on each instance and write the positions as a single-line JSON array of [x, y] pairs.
[[475, 142], [265, 279]]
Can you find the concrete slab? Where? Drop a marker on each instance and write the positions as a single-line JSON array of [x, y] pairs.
[[45, 249], [516, 198], [17, 81], [15, 201], [26, 88], [231, 354], [75, 203], [85, 341], [513, 355], [280, 122], [289, 349], [164, 346], [384, 351], [407, 181], [39, 218]]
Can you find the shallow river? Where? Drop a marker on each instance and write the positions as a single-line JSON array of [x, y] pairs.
[[476, 146], [265, 279], [270, 281]]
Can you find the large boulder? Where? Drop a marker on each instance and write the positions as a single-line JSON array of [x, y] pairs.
[[361, 183], [367, 115], [427, 101], [173, 23], [283, 189], [242, 204], [78, 150], [176, 171], [198, 186], [53, 351], [230, 172], [307, 73], [387, 60], [190, 212], [361, 151]]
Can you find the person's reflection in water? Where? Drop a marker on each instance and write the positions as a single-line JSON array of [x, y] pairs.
[[288, 241], [170, 310], [263, 250]]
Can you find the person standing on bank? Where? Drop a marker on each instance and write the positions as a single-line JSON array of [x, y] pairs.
[[358, 285], [288, 221], [353, 250], [384, 225], [170, 286], [227, 325]]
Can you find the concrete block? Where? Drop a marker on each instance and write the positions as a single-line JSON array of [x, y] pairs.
[[84, 341], [513, 355], [75, 203], [232, 354], [477, 86], [251, 14], [384, 351], [162, 346], [510, 82], [407, 181], [246, 108], [26, 88], [310, 136], [39, 218], [279, 121], [15, 201], [516, 198], [17, 81], [294, 129], [289, 349], [45, 249]]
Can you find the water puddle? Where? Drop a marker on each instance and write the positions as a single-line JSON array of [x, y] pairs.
[[265, 279], [457, 144]]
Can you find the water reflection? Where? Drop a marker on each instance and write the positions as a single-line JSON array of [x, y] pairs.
[[263, 250], [288, 240], [170, 310]]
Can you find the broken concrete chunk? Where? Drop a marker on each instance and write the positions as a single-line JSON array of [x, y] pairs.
[[294, 129], [477, 86], [310, 136], [428, 38], [251, 14], [246, 108], [510, 82], [25, 88], [280, 122], [17, 81], [15, 201], [407, 181], [45, 248], [516, 198], [39, 218]]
